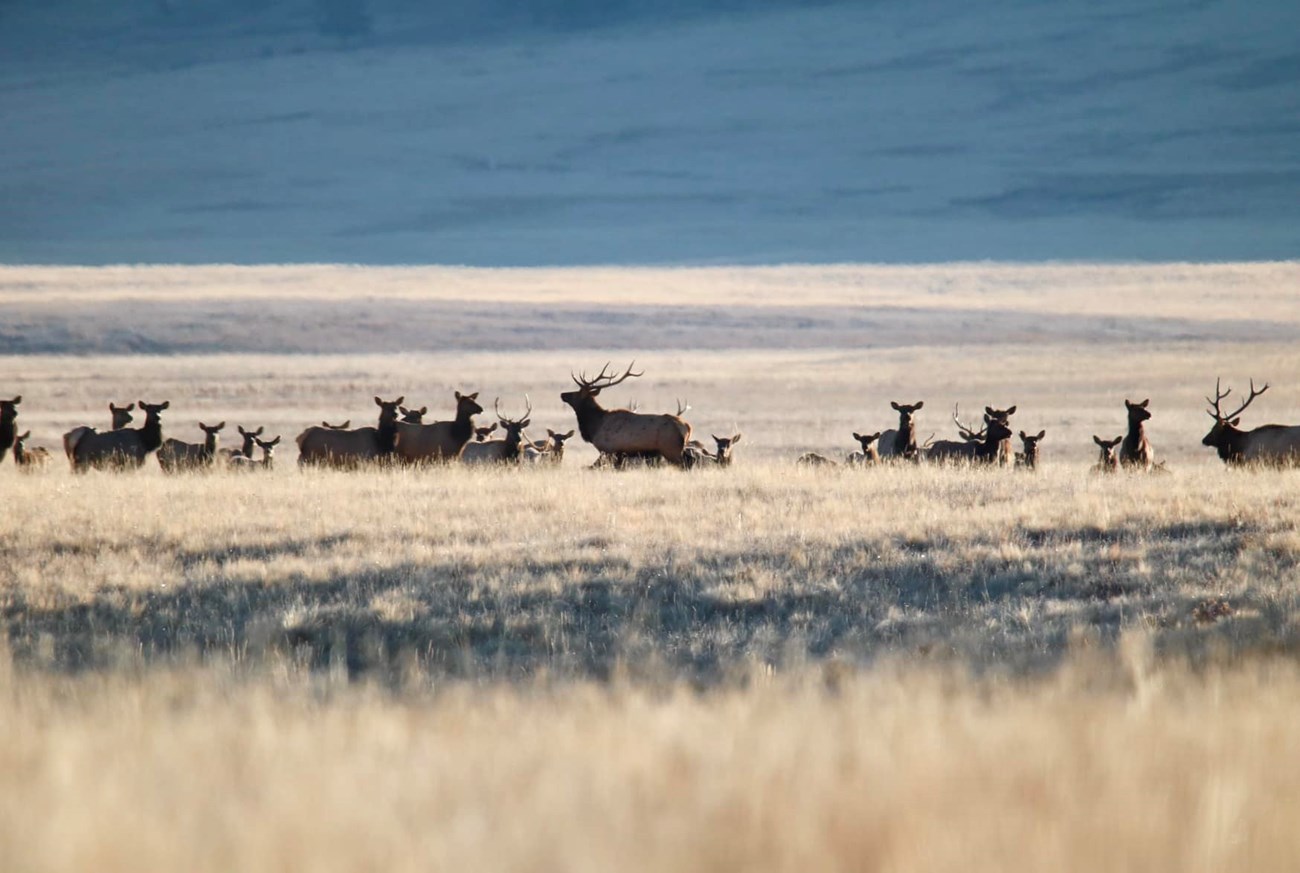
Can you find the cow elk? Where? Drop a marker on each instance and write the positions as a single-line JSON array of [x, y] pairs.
[[1028, 459], [175, 455], [1108, 459], [509, 450], [8, 424], [120, 415], [117, 449], [1269, 445], [1135, 452], [245, 451], [868, 454], [30, 460], [901, 442], [621, 432], [482, 433], [1003, 416], [439, 441], [329, 447]]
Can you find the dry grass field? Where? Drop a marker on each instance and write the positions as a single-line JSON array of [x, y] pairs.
[[766, 667]]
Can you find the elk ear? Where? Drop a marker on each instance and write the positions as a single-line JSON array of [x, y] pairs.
[[274, 441], [1236, 421], [918, 405], [566, 435], [895, 405], [735, 439], [988, 410], [17, 400], [220, 426], [378, 402], [857, 436], [25, 436], [1041, 434], [473, 396], [424, 410], [130, 407], [1011, 410], [241, 430], [523, 424], [1144, 403], [1098, 440], [258, 432], [1022, 435]]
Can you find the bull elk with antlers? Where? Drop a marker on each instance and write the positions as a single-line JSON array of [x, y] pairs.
[[983, 446], [508, 450], [1271, 444], [621, 431]]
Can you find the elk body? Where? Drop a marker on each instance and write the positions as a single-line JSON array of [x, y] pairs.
[[1136, 450], [1270, 444], [901, 442], [977, 447], [8, 424], [1006, 456], [175, 455], [509, 450], [1108, 459], [621, 431], [323, 446], [441, 440], [120, 416], [868, 454], [1029, 457], [117, 449], [30, 460]]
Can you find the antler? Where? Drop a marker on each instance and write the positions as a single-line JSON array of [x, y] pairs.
[[682, 406], [496, 406], [603, 379], [1220, 396], [967, 433]]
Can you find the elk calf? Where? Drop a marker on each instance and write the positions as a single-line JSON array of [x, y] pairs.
[[1108, 460], [245, 451], [1136, 449], [265, 463], [1028, 459], [869, 453], [30, 460], [549, 450]]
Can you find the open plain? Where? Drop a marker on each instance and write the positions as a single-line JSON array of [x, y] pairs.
[[761, 667]]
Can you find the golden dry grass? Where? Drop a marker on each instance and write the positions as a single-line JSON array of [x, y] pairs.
[[761, 668]]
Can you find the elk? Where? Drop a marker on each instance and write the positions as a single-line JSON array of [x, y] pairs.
[[8, 424], [1136, 451], [621, 431], [245, 450], [722, 454], [549, 450], [441, 440], [120, 415], [266, 462], [482, 433], [175, 455], [413, 416], [509, 450], [1270, 444], [812, 459], [1029, 457], [1003, 416], [30, 460], [869, 453], [1108, 460], [901, 443], [117, 449], [976, 447], [349, 448]]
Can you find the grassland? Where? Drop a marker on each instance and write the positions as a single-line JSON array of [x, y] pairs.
[[767, 667]]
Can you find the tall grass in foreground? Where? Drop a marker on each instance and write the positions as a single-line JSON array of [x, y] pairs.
[[1104, 766]]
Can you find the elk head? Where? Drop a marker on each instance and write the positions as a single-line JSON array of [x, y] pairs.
[[482, 433], [388, 410], [250, 436], [467, 405], [1001, 415], [1137, 412], [725, 445], [121, 414], [1108, 460], [1224, 435], [1030, 444], [8, 410], [413, 416]]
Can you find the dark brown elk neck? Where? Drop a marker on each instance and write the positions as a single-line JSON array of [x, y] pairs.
[[462, 426], [386, 435], [590, 415], [209, 445], [151, 432], [8, 429]]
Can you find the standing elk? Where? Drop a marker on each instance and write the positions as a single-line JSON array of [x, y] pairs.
[[442, 440], [901, 442], [1029, 457], [509, 450], [1136, 450], [621, 432], [120, 417], [8, 424], [1006, 456], [175, 455], [1270, 444], [869, 454], [323, 446], [1108, 459], [30, 460], [117, 449]]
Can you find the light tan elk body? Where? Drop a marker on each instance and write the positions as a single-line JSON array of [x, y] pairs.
[[1108, 459], [1269, 445], [509, 450], [549, 450], [117, 449], [901, 442], [175, 455], [8, 424], [1136, 450], [30, 460], [621, 432], [440, 441], [327, 447]]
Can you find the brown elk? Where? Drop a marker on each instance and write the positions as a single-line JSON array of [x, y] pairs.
[[266, 462], [1108, 459], [322, 446], [621, 431], [509, 450], [1003, 416], [723, 448], [482, 433], [440, 440], [175, 455], [869, 454], [8, 424], [413, 416], [901, 442], [695, 454], [1270, 444], [117, 449], [549, 450], [1136, 450], [976, 447], [120, 416], [30, 460], [1029, 457], [245, 450]]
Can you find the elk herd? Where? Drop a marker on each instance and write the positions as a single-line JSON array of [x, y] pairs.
[[623, 437]]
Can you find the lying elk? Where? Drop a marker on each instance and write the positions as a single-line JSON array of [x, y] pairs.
[[482, 433], [812, 459], [8, 424], [696, 455], [266, 462], [976, 447], [119, 449], [901, 443], [245, 450], [621, 431], [869, 453], [549, 450], [30, 460], [1108, 460], [1029, 457], [1136, 450], [1271, 444], [329, 447], [175, 455], [1003, 416], [509, 450], [441, 440]]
